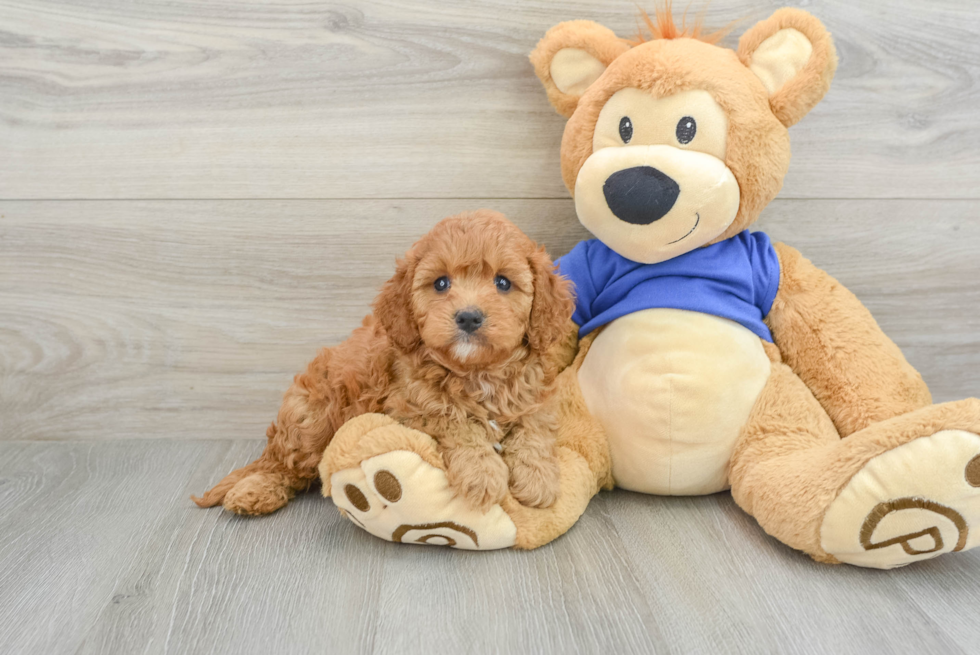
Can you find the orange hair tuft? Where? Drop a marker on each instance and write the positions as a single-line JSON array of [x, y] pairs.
[[662, 26]]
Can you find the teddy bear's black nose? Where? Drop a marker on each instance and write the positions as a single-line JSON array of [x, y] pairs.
[[640, 195], [469, 320]]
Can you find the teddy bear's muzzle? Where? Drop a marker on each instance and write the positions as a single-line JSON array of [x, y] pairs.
[[650, 203]]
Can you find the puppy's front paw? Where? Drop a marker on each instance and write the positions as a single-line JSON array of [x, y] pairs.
[[479, 477], [534, 482]]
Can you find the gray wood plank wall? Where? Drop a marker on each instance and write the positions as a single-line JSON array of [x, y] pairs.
[[424, 99], [195, 196], [187, 319]]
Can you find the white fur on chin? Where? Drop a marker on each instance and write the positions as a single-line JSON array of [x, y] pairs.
[[464, 350]]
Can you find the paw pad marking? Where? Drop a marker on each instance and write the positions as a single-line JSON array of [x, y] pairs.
[[911, 503], [400, 532], [400, 497], [973, 472], [388, 486], [356, 497], [884, 509]]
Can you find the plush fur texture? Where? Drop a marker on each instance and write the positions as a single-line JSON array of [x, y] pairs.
[[348, 447], [835, 346], [791, 463], [795, 100], [405, 361], [585, 35], [758, 150]]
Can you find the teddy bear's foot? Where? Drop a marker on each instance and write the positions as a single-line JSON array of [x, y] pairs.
[[911, 503], [390, 481], [400, 497]]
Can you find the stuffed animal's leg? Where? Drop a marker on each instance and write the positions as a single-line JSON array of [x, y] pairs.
[[391, 481], [831, 341], [899, 491]]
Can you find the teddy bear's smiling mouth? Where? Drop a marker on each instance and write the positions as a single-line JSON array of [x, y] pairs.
[[696, 223]]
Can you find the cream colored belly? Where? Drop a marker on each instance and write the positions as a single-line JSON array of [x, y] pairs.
[[672, 389]]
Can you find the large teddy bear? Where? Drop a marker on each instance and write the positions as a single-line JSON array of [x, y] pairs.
[[708, 358]]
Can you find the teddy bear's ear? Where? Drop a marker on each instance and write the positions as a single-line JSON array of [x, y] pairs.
[[572, 56], [793, 54]]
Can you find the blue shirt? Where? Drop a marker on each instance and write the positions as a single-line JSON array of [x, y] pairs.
[[736, 279]]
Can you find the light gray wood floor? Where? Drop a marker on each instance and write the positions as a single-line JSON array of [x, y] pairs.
[[103, 552], [195, 196]]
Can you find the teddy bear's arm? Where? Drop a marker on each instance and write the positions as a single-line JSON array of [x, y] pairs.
[[834, 345]]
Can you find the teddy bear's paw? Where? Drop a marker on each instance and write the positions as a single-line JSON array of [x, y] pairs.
[[400, 497], [911, 503]]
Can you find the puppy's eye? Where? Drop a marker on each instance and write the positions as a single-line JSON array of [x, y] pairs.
[[686, 129], [625, 129], [502, 283], [441, 284]]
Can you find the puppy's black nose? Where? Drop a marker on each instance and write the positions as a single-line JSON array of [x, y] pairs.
[[469, 320], [640, 195]]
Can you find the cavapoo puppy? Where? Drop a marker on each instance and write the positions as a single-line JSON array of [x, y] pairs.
[[457, 347]]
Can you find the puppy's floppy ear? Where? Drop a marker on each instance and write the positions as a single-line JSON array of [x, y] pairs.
[[552, 306], [570, 57], [794, 56], [393, 306]]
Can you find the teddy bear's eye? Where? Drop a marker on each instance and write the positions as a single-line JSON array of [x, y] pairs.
[[686, 129], [441, 284], [625, 129]]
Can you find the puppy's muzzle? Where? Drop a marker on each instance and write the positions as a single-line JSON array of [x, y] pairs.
[[469, 320], [640, 195]]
